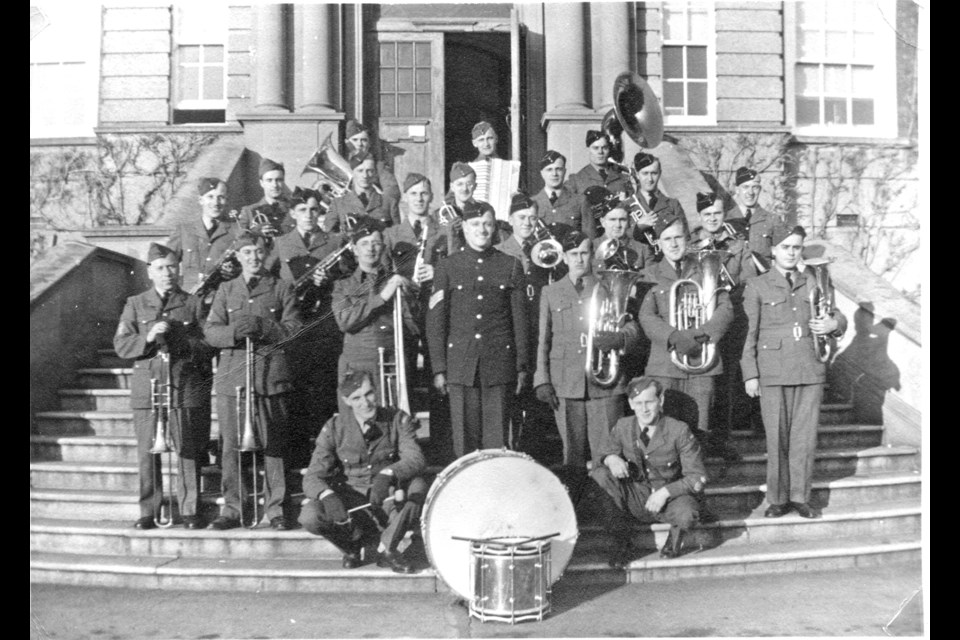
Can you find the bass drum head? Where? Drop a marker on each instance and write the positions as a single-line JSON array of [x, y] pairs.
[[494, 493]]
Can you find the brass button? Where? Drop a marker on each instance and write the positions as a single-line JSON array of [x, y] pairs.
[[477, 336]]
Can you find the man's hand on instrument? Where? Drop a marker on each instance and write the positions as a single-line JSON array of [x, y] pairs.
[[657, 500], [380, 489], [702, 337], [268, 229], [320, 277], [156, 332], [546, 393], [334, 509], [248, 326], [647, 219], [752, 387], [229, 269], [608, 340], [523, 380], [425, 273], [395, 282], [823, 326], [440, 383], [684, 341], [617, 465]]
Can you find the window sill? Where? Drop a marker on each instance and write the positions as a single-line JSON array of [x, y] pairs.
[[79, 141], [227, 127], [800, 138]]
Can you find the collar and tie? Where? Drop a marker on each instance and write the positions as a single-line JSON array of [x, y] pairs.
[[653, 200], [789, 275], [364, 198], [678, 267], [164, 297], [307, 237], [645, 436], [578, 285], [749, 214], [603, 174], [252, 283], [371, 431], [212, 228], [553, 197], [527, 246], [417, 228]]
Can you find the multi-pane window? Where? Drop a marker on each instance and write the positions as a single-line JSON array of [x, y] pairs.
[[688, 54], [200, 81], [405, 85], [837, 76]]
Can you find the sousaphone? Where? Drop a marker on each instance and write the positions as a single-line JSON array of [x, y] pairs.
[[638, 110]]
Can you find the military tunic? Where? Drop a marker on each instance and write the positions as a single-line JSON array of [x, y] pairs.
[[665, 207], [346, 461], [779, 350], [198, 250], [570, 208], [761, 223], [381, 207], [615, 182], [190, 378], [279, 216]]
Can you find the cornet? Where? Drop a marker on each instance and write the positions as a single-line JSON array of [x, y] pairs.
[[447, 213], [160, 406], [247, 441], [547, 252], [821, 305]]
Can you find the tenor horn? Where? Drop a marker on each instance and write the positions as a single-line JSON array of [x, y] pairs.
[[607, 312], [160, 405], [821, 305], [692, 305], [638, 109]]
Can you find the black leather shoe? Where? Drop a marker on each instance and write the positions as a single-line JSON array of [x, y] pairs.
[[193, 522], [776, 510], [351, 560], [280, 524], [803, 509], [395, 562], [671, 548], [222, 523], [144, 523], [621, 556]]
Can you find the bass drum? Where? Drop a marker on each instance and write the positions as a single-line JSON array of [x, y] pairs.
[[494, 494]]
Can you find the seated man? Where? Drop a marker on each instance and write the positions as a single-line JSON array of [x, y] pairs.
[[651, 470], [360, 456]]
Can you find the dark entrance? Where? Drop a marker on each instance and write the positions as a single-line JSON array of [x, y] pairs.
[[477, 87]]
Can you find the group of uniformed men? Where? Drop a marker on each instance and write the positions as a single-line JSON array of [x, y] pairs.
[[307, 285]]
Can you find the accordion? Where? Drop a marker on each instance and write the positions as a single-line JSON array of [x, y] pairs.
[[497, 180]]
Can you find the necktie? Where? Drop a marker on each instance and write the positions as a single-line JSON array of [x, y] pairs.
[[749, 213], [553, 198], [212, 229], [364, 198], [645, 436], [252, 283], [417, 229], [678, 265], [163, 299], [527, 247], [578, 285], [603, 174], [372, 432], [653, 200], [790, 279], [306, 239]]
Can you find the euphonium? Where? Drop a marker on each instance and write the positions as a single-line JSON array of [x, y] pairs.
[[333, 172], [692, 305], [607, 312], [393, 375], [247, 440], [162, 446], [547, 252], [821, 305]]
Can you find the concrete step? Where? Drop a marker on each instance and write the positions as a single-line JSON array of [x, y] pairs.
[[836, 413], [57, 474], [107, 357], [829, 436], [104, 377], [94, 399]]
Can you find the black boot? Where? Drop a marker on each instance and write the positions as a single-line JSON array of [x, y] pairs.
[[671, 548]]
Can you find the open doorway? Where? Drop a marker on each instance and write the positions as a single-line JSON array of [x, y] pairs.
[[476, 87]]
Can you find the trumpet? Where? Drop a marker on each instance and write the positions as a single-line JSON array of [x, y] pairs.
[[247, 441], [393, 375], [692, 305], [613, 255], [607, 312], [821, 305], [447, 214], [547, 252], [160, 406]]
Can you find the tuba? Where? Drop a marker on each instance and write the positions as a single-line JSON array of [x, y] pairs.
[[692, 305], [160, 408], [393, 375], [607, 312], [821, 305], [333, 172], [247, 442], [638, 110]]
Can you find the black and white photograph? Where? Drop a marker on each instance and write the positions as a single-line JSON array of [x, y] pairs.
[[477, 319]]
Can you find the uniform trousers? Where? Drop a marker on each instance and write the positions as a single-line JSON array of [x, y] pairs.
[[480, 416], [535, 428], [733, 408], [689, 400], [622, 502], [584, 423], [191, 446], [389, 522], [271, 428], [791, 414], [314, 399]]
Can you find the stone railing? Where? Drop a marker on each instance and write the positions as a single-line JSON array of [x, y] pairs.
[[77, 292]]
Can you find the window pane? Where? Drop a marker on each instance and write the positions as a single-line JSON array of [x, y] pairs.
[[838, 12], [404, 79], [190, 54], [388, 54], [405, 105], [863, 46], [698, 26], [213, 83], [387, 107], [423, 79], [838, 45], [810, 13], [863, 85], [189, 83], [423, 54], [697, 99], [808, 80], [834, 111], [862, 111], [213, 54], [673, 95], [388, 80], [865, 15], [672, 62], [808, 110], [423, 105], [810, 43], [674, 24], [835, 80], [404, 54], [697, 62]]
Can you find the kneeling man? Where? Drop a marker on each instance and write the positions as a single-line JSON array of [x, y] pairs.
[[651, 470], [362, 458]]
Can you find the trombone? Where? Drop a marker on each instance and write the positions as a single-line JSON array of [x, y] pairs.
[[247, 442], [160, 407], [393, 375]]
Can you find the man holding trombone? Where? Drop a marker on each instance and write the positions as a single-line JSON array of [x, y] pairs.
[[161, 331], [250, 321]]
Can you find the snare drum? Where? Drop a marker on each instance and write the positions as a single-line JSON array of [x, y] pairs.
[[496, 497]]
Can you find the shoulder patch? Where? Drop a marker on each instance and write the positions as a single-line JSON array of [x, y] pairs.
[[436, 298]]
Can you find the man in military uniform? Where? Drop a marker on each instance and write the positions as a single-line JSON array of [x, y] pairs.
[[201, 243], [358, 142], [161, 330], [260, 308], [780, 365], [360, 456], [314, 348], [651, 471], [759, 221], [615, 223], [477, 332], [557, 203], [652, 201], [689, 395], [584, 410], [362, 200], [269, 216], [598, 172], [463, 184]]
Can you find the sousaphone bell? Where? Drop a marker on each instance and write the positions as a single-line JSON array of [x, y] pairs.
[[638, 110]]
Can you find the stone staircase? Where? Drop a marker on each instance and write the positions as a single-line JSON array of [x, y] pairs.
[[83, 485]]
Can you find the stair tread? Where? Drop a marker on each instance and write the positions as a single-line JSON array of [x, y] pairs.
[[105, 370], [127, 414]]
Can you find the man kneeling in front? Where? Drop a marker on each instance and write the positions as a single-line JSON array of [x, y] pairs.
[[364, 477], [651, 470]]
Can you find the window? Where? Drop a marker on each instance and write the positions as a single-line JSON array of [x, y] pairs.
[[200, 77], [405, 84], [844, 80], [64, 55], [689, 63]]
